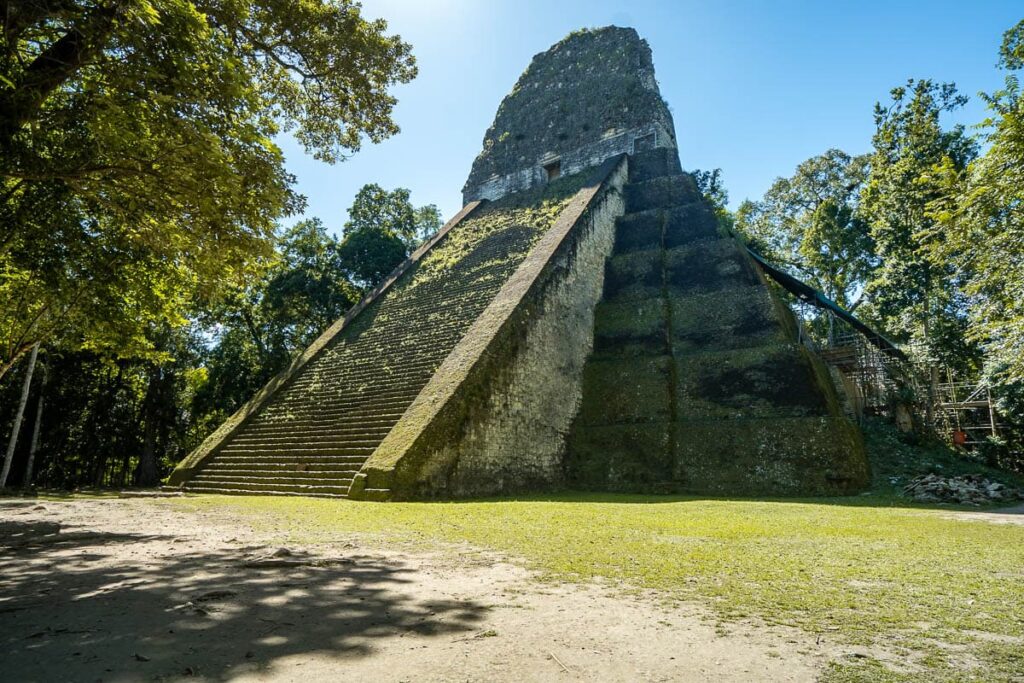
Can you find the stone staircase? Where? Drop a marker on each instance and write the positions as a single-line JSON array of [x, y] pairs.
[[695, 383], [315, 433]]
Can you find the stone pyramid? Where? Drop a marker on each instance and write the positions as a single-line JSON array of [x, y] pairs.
[[580, 323]]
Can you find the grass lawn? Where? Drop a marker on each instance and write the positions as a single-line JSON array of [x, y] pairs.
[[943, 596]]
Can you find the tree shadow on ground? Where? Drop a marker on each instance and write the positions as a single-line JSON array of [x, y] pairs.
[[71, 610]]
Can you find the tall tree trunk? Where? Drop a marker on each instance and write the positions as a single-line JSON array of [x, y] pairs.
[[146, 473], [18, 415], [34, 445], [101, 418]]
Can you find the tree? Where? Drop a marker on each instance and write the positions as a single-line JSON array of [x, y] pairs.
[[810, 225], [915, 296], [982, 224], [712, 189], [137, 165], [375, 208], [261, 326], [383, 228], [307, 289], [16, 427]]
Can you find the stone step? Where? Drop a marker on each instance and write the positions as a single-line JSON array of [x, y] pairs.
[[266, 424], [353, 415], [308, 437], [241, 489], [378, 380], [356, 448], [639, 231], [289, 460], [317, 444], [743, 317], [662, 192], [654, 163], [630, 328], [740, 317], [707, 266], [634, 276], [274, 480], [776, 381], [324, 438], [327, 393], [690, 223], [426, 365], [243, 467]]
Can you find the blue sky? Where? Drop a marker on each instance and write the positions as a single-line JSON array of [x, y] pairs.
[[754, 87]]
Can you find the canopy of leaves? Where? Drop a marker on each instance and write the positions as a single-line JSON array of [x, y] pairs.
[[916, 296], [383, 228], [138, 171], [982, 223], [810, 225]]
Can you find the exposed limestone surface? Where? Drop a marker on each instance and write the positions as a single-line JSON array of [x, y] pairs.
[[588, 98]]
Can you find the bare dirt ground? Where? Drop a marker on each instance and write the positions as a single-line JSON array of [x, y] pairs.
[[133, 590], [1011, 515]]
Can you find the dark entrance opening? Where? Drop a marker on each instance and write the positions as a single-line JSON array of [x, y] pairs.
[[554, 169]]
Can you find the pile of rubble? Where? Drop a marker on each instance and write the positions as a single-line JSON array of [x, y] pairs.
[[969, 489]]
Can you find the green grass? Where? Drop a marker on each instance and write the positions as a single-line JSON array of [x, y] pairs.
[[944, 594], [941, 596]]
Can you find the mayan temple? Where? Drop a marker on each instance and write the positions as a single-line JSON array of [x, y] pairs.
[[581, 323]]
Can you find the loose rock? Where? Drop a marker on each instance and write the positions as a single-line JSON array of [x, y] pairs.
[[969, 489]]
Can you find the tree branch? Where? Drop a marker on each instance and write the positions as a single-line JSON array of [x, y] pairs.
[[54, 66]]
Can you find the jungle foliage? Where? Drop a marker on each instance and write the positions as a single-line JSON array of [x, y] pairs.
[[923, 235], [138, 169]]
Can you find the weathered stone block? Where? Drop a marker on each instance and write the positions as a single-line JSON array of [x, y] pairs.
[[634, 276], [659, 193], [744, 383], [626, 390], [801, 456], [707, 266], [633, 457], [690, 223], [638, 232], [654, 163], [729, 319], [630, 328]]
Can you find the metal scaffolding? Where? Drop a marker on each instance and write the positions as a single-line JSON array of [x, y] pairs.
[[878, 382]]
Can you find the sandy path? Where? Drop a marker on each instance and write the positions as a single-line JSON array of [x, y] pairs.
[[131, 590], [1010, 515]]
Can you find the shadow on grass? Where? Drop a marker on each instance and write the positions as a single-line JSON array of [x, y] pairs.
[[70, 609]]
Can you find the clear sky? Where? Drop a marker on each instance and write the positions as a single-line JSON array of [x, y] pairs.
[[755, 86]]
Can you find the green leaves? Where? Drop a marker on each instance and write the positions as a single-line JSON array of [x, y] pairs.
[[146, 150], [811, 224], [383, 228], [915, 295]]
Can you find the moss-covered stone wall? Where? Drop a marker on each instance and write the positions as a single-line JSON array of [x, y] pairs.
[[494, 419]]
